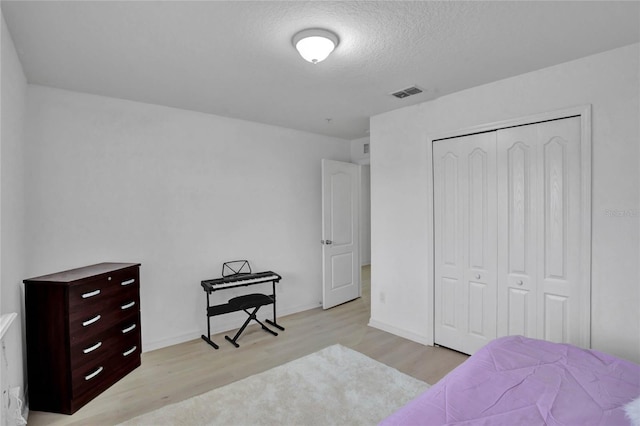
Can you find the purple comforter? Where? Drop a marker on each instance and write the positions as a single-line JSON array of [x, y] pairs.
[[519, 381]]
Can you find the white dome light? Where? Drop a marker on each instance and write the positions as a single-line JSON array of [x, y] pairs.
[[314, 45]]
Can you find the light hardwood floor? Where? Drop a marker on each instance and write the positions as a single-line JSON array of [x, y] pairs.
[[181, 371]]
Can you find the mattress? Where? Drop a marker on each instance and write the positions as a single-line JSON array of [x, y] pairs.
[[516, 380]]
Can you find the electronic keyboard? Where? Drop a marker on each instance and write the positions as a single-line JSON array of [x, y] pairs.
[[237, 273], [239, 280]]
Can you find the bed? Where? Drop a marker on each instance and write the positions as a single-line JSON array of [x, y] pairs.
[[516, 380]]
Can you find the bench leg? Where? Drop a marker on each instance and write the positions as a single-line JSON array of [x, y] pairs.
[[252, 316]]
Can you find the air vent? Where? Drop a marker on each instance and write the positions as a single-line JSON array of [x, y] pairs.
[[413, 90]]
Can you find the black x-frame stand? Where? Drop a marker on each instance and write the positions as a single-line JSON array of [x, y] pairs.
[[249, 303]]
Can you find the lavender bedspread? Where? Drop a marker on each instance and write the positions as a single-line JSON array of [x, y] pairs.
[[520, 381]]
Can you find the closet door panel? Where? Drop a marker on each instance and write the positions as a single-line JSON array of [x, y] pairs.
[[450, 214], [448, 239], [518, 314], [554, 318], [517, 207], [464, 231], [450, 290], [555, 212], [561, 313], [480, 242], [478, 204], [478, 304]]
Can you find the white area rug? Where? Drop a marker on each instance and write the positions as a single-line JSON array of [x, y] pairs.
[[335, 386]]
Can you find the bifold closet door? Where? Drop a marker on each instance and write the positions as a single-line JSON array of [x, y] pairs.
[[508, 229], [518, 208], [540, 289], [465, 220]]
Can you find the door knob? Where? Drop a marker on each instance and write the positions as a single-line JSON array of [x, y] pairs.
[[477, 276], [520, 282], [327, 242]]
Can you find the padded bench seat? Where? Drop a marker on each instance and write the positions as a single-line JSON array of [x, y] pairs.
[[244, 303], [248, 301]]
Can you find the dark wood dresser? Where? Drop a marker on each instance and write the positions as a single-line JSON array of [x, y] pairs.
[[83, 333]]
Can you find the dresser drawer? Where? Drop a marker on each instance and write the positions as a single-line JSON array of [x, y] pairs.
[[124, 356], [107, 299], [98, 318], [106, 344], [102, 290]]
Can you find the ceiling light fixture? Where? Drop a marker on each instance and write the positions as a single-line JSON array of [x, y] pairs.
[[315, 44]]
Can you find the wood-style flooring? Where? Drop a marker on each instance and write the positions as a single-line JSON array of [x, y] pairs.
[[181, 371]]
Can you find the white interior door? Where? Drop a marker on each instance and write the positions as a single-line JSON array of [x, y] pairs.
[[465, 240], [340, 232]]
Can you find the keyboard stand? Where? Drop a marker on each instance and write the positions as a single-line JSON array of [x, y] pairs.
[[250, 304]]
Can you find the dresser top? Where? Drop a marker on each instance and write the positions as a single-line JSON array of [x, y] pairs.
[[80, 273]]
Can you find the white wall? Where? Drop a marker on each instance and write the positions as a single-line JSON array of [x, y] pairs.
[[12, 266], [181, 192], [608, 81]]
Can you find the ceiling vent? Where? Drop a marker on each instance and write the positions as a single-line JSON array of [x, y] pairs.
[[413, 90]]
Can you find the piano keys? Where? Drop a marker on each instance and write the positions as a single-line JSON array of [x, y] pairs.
[[238, 280]]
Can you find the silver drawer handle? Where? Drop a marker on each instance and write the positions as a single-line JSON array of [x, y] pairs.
[[94, 374], [130, 351], [91, 321], [127, 306], [91, 294], [128, 329], [131, 281], [92, 348]]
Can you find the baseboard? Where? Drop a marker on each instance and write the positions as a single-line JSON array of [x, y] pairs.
[[400, 332], [170, 341], [222, 325], [300, 308]]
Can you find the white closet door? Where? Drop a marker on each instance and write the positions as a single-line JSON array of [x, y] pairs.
[[465, 239], [540, 290], [561, 314], [518, 206]]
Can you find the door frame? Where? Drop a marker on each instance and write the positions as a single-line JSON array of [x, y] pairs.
[[582, 111]]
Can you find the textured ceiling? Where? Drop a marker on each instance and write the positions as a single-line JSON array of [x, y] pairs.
[[235, 58]]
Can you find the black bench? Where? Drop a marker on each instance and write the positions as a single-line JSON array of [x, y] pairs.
[[246, 303]]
